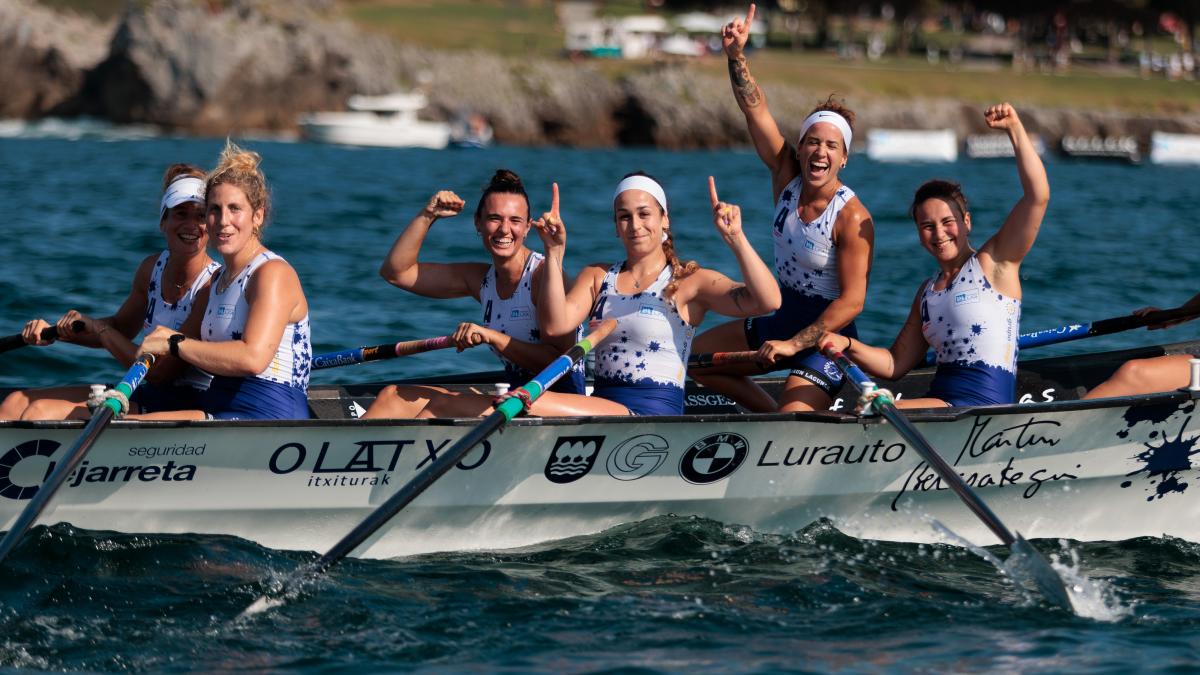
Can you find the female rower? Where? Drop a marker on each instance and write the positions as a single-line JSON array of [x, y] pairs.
[[164, 288], [252, 333], [824, 238], [968, 313], [656, 300], [507, 289], [1147, 376]]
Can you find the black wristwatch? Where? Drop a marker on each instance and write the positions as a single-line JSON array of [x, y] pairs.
[[173, 343]]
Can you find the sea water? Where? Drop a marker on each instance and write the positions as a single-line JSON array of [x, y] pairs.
[[669, 594]]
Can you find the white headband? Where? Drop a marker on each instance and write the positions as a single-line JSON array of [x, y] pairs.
[[645, 184], [185, 189], [832, 118]]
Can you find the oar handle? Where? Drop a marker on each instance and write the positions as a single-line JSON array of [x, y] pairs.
[[11, 342], [348, 357], [715, 359], [1114, 325], [70, 461]]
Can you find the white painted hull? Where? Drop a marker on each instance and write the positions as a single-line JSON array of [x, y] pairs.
[[1174, 148], [1048, 470], [358, 129]]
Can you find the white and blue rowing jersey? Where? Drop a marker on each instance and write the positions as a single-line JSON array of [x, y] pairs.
[[159, 312], [516, 317], [280, 390], [973, 330], [642, 364], [805, 255]]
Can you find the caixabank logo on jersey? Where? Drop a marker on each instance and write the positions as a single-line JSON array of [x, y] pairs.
[[708, 460]]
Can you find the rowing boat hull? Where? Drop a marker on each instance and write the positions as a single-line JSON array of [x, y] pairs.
[[1079, 470]]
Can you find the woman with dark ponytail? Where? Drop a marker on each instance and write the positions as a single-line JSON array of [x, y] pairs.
[[507, 289], [656, 300]]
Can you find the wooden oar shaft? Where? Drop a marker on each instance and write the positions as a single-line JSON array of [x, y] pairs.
[[949, 476], [11, 342], [715, 359], [75, 454], [348, 357], [508, 409]]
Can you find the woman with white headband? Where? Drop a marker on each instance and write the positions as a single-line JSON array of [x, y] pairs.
[[164, 288], [969, 313], [656, 300], [506, 290], [251, 330], [824, 238]]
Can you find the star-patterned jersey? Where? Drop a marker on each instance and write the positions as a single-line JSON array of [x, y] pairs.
[[805, 255], [255, 397], [973, 330], [159, 312], [643, 362], [516, 317]]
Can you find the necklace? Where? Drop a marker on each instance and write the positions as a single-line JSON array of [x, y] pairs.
[[637, 282]]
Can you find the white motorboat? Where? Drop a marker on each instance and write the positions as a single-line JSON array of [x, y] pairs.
[[384, 121]]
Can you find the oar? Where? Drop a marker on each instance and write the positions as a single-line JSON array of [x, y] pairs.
[[504, 412], [1078, 331], [714, 359], [11, 342], [379, 352], [1044, 576], [112, 407]]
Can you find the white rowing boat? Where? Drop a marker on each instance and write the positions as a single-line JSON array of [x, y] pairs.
[[1086, 470]]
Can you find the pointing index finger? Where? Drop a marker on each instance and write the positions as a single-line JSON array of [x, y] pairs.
[[554, 198], [749, 17], [712, 192]]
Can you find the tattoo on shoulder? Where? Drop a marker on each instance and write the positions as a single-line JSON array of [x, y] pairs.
[[744, 86]]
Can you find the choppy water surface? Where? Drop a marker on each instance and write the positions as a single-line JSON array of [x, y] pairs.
[[669, 594]]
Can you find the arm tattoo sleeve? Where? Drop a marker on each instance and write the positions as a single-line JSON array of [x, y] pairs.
[[809, 336], [744, 87]]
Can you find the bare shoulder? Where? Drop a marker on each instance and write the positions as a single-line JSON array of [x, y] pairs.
[[141, 278], [854, 213]]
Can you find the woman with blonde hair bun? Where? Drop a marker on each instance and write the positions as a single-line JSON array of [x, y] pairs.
[[163, 291], [252, 333]]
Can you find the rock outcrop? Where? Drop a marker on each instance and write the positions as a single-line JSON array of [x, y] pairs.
[[43, 57], [226, 67], [252, 65]]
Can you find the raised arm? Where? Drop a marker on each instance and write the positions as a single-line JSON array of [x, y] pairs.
[[1009, 246], [433, 280], [759, 292], [906, 351], [772, 147], [560, 312]]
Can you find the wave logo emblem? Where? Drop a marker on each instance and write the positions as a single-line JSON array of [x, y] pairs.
[[572, 458], [712, 458], [36, 448], [637, 457]]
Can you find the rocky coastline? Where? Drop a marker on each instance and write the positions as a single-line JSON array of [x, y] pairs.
[[255, 65]]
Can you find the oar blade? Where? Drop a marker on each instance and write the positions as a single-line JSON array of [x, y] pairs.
[[1038, 569]]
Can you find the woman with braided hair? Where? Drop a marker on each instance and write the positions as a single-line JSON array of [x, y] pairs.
[[656, 300]]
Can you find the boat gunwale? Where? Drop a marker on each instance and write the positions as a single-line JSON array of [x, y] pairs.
[[820, 417]]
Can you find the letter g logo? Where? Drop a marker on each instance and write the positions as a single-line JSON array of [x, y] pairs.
[[637, 457]]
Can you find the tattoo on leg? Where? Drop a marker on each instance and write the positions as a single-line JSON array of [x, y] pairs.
[[744, 87]]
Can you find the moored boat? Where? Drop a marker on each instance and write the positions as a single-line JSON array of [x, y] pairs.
[[1052, 467], [384, 121]]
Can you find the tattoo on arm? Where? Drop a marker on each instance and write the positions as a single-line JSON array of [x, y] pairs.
[[744, 87], [809, 336], [737, 294]]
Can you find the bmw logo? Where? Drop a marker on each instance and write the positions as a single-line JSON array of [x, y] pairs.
[[712, 458]]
